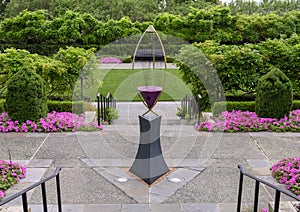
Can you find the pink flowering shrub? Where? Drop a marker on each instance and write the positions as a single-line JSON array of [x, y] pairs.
[[238, 121], [110, 60], [10, 174], [287, 171], [54, 122]]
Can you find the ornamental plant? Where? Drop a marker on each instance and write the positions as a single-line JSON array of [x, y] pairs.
[[110, 60], [274, 95], [287, 172], [238, 121], [53, 122], [26, 98], [10, 174]]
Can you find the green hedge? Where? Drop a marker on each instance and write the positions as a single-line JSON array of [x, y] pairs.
[[250, 97], [218, 107], [296, 105], [66, 106], [2, 105], [58, 106]]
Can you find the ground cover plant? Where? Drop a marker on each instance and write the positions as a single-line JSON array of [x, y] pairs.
[[287, 172], [238, 121], [54, 122], [106, 60], [10, 174]]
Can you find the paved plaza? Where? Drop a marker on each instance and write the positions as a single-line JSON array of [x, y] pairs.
[[95, 166]]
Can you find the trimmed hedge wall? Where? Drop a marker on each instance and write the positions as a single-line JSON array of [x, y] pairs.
[[250, 97], [218, 107], [58, 106], [66, 106], [2, 105]]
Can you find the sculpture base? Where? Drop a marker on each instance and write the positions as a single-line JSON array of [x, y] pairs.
[[149, 164]]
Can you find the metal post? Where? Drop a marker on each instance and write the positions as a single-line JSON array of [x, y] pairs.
[[238, 208], [256, 196], [277, 201], [44, 197], [58, 194], [101, 99], [25, 203], [98, 108], [199, 108]]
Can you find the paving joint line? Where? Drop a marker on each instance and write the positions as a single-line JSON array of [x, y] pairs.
[[268, 159], [38, 149]]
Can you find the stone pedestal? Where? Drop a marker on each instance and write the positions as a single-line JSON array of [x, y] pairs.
[[149, 164]]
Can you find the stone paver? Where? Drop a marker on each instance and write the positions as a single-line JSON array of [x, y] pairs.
[[91, 162]]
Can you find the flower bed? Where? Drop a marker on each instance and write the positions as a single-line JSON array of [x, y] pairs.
[[238, 121], [10, 174], [287, 171], [54, 122], [110, 60]]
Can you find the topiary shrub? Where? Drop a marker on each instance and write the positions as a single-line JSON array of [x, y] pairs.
[[273, 95], [26, 99]]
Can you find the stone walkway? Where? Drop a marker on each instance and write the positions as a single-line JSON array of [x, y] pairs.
[[95, 165]]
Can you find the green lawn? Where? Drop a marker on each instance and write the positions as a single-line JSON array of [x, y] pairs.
[[122, 83]]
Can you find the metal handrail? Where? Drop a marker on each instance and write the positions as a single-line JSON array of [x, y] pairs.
[[41, 183], [257, 182]]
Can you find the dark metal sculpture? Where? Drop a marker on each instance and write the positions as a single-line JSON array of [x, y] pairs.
[[149, 164]]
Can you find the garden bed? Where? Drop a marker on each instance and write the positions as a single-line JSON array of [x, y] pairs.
[[54, 122], [238, 121], [10, 173]]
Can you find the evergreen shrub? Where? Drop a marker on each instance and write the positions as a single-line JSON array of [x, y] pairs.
[[26, 98], [274, 95]]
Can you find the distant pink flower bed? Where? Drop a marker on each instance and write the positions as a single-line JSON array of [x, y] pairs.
[[54, 122], [10, 174], [287, 171], [238, 121], [110, 60]]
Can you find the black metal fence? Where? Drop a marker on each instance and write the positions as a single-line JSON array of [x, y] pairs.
[[189, 107], [278, 191], [42, 183], [104, 103]]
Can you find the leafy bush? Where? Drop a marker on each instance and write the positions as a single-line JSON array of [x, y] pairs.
[[274, 95], [127, 60], [26, 99], [111, 114]]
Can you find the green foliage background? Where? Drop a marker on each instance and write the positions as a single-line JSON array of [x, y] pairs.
[[241, 40]]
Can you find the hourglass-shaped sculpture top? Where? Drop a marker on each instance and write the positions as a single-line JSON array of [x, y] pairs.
[[150, 56], [150, 94]]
